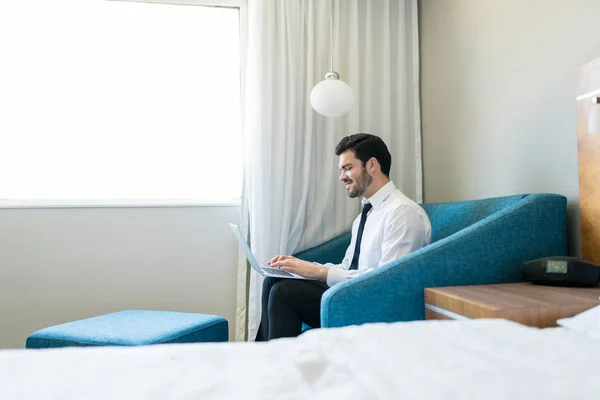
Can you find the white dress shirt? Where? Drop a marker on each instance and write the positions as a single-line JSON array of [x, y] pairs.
[[395, 226]]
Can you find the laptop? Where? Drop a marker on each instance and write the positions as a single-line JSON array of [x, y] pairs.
[[266, 270]]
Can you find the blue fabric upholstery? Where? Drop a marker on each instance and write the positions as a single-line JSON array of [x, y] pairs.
[[452, 217], [334, 249], [473, 243], [133, 328]]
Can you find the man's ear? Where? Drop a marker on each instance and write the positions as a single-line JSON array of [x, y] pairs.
[[372, 164]]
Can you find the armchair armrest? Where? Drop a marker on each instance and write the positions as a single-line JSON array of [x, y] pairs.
[[489, 251]]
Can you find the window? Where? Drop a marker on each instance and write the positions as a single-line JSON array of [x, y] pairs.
[[119, 102]]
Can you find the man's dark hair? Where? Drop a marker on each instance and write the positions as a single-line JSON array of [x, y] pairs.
[[365, 146]]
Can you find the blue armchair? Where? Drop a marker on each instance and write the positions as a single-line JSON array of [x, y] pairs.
[[473, 242]]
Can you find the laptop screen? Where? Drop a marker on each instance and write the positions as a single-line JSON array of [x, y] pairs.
[[238, 235]]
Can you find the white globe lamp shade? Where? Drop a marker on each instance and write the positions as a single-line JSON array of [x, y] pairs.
[[332, 97], [594, 122]]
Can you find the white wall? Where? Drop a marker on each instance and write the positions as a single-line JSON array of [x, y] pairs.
[[498, 97], [59, 265]]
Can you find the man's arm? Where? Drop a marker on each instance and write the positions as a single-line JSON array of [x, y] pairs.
[[340, 272], [315, 270], [300, 267], [309, 269], [330, 273], [403, 233]]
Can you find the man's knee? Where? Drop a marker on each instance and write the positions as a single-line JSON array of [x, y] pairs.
[[281, 289], [268, 282]]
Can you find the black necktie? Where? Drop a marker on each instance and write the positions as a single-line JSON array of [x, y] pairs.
[[361, 228]]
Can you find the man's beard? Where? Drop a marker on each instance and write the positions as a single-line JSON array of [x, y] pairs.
[[360, 184]]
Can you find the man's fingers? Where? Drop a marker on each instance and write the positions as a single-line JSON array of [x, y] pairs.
[[279, 258], [275, 259], [284, 263]]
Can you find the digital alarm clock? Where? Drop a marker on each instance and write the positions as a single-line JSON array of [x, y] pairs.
[[561, 271]]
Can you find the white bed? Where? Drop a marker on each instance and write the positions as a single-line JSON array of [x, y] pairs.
[[492, 359]]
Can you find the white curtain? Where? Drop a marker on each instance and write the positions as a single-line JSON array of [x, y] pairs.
[[292, 198]]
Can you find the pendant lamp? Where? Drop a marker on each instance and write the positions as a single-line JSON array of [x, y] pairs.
[[331, 97]]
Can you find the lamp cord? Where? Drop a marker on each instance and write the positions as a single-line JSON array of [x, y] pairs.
[[331, 35]]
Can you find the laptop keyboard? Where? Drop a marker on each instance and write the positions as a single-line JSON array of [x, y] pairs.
[[276, 271]]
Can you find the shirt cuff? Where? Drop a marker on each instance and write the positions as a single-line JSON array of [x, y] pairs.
[[335, 276]]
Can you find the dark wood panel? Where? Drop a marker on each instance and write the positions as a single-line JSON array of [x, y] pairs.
[[588, 81]]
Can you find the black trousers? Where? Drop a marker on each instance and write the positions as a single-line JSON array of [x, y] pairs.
[[286, 303]]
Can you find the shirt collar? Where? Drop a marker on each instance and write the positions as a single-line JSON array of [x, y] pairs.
[[381, 194]]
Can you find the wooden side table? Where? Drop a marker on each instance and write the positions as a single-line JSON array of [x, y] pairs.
[[528, 304]]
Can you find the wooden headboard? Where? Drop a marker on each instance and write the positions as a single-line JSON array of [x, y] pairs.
[[588, 87]]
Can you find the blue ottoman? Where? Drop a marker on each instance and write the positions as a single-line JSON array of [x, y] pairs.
[[133, 328]]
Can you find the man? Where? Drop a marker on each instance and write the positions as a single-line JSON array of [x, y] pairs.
[[390, 226]]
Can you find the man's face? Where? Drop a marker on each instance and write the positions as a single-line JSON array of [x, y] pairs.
[[354, 175]]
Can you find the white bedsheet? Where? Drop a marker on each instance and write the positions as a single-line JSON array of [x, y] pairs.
[[492, 359]]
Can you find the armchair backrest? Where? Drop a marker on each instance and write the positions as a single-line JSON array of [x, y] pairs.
[[446, 219], [449, 218]]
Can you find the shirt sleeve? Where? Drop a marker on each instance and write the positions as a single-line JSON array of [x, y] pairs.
[[336, 272], [403, 233], [340, 272], [337, 275], [335, 269]]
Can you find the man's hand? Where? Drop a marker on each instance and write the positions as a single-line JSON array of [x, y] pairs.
[[299, 267]]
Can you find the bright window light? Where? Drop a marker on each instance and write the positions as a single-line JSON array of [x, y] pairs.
[[113, 101]]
